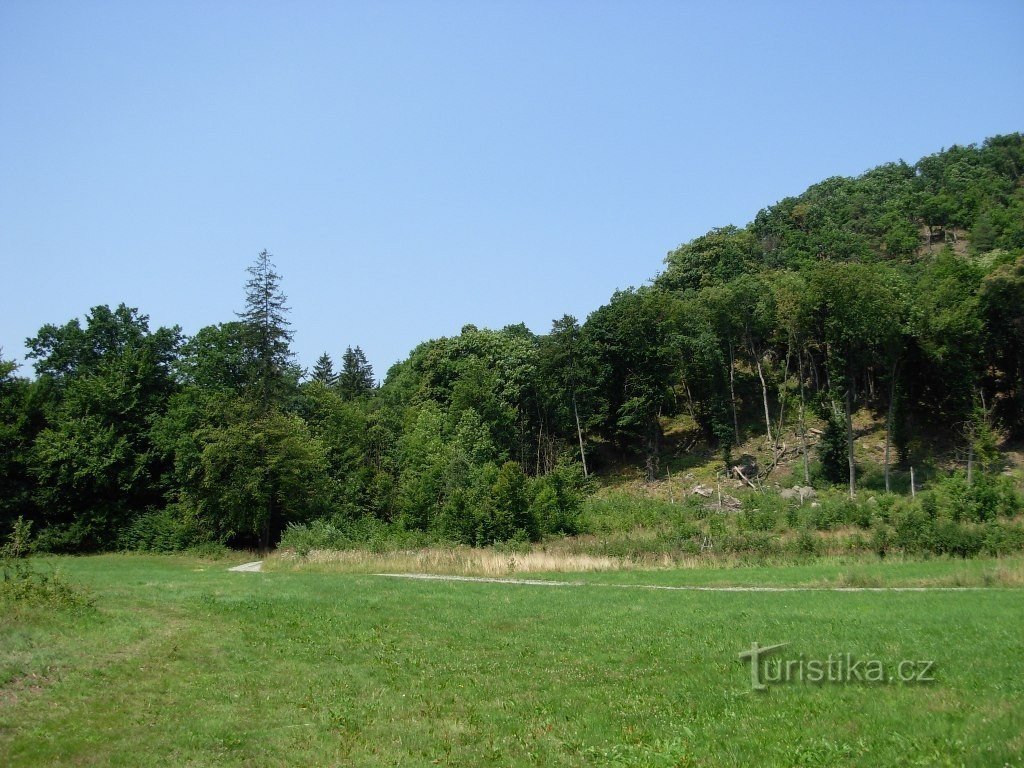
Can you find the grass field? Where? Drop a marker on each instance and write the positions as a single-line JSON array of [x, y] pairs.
[[183, 663]]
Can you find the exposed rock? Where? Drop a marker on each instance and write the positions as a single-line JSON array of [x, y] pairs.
[[801, 492], [731, 501], [703, 490]]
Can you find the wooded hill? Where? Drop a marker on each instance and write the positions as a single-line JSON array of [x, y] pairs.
[[900, 292]]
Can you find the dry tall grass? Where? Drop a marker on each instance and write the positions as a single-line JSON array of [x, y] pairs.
[[459, 561]]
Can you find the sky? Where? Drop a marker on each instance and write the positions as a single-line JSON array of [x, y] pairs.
[[417, 166]]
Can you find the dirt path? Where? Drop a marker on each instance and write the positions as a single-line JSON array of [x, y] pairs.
[[249, 567], [692, 588]]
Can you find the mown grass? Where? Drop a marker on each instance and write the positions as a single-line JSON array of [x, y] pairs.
[[183, 663]]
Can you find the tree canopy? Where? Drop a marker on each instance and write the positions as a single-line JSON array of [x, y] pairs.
[[897, 293]]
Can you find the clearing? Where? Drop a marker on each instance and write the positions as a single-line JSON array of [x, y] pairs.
[[185, 663]]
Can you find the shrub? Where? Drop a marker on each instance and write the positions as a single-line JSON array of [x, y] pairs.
[[168, 530], [806, 544], [22, 584], [832, 449], [361, 533], [1002, 537]]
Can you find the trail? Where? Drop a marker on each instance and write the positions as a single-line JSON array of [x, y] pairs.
[[683, 588], [257, 566], [249, 567]]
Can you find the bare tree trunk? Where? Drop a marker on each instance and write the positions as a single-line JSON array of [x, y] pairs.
[[579, 432], [764, 392], [888, 422], [653, 430], [732, 392], [540, 439], [803, 423], [849, 439], [782, 400], [782, 407]]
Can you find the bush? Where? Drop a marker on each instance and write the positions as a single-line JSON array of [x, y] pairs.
[[624, 512], [832, 449], [761, 512], [806, 544], [78, 536], [986, 498], [1002, 538], [22, 584], [557, 500], [361, 533], [168, 530]]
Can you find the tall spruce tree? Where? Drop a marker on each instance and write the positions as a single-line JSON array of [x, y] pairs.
[[323, 371], [267, 334], [356, 377]]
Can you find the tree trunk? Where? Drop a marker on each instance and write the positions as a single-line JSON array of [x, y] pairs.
[[540, 440], [653, 435], [848, 401], [764, 392], [803, 423], [780, 424], [732, 392], [579, 433], [888, 422]]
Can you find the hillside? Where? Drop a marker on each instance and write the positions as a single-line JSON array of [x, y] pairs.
[[842, 337]]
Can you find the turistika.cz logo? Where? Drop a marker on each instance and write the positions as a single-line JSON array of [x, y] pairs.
[[768, 667]]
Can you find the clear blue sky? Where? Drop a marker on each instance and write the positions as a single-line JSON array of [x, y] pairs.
[[415, 166]]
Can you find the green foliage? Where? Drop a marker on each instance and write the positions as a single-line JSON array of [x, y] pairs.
[[173, 529], [555, 676], [832, 449], [856, 294], [356, 377], [257, 476], [367, 533], [23, 585], [323, 371], [92, 458], [266, 334], [15, 444]]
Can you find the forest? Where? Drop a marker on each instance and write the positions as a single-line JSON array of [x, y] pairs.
[[898, 293]]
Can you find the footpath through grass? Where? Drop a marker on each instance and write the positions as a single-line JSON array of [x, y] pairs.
[[183, 663]]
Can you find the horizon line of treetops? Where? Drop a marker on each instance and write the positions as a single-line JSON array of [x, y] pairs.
[[900, 291]]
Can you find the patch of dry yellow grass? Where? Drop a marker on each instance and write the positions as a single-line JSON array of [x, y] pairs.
[[461, 561]]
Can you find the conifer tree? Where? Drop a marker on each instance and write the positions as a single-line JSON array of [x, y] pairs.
[[356, 376], [266, 332], [323, 371]]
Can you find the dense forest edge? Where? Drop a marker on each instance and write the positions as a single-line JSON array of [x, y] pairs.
[[844, 373]]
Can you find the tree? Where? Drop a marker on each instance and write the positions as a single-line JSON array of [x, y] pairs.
[[356, 377], [562, 374], [323, 371], [258, 475], [14, 444], [267, 334], [857, 314], [93, 459], [632, 343], [1002, 307]]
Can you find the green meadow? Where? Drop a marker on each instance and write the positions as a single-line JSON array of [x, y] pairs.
[[178, 662]]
